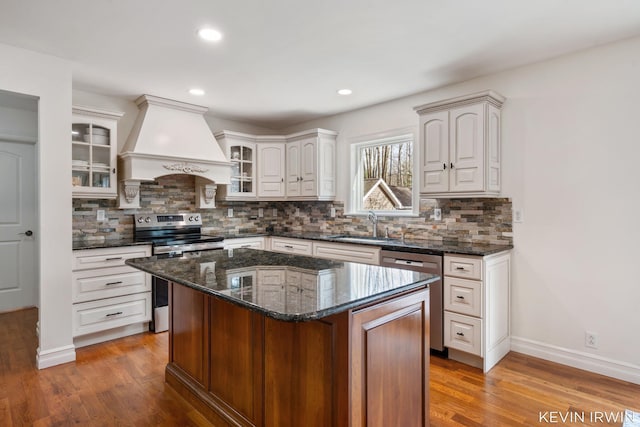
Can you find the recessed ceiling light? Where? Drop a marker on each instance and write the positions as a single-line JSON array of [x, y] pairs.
[[209, 34], [345, 92], [196, 92]]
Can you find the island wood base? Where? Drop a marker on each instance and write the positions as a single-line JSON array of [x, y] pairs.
[[365, 367]]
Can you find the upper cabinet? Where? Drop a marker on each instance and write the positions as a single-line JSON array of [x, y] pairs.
[[460, 146], [271, 166], [311, 165], [299, 166], [94, 146], [240, 149]]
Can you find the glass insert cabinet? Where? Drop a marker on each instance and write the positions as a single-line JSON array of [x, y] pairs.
[[240, 149], [94, 143]]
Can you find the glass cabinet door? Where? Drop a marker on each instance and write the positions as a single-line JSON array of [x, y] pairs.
[[242, 170], [93, 155]]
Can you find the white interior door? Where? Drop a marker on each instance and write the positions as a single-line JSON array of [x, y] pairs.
[[18, 263]]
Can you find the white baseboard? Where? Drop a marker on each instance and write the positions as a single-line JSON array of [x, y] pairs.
[[110, 334], [578, 359], [56, 356]]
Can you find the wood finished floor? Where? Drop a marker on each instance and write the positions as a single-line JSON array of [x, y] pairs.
[[121, 383]]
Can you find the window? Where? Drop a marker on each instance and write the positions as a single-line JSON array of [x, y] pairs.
[[383, 171]]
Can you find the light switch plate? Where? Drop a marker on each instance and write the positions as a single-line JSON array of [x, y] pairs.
[[100, 215], [230, 212], [260, 212], [333, 212]]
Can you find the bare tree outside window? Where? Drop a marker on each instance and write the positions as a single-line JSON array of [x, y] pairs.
[[387, 172]]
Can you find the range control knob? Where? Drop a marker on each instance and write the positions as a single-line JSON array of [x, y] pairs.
[[197, 218], [190, 218], [147, 219], [140, 220]]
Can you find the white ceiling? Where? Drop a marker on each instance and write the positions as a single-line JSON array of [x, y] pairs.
[[281, 61]]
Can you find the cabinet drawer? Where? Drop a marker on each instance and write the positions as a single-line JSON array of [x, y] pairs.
[[463, 296], [90, 285], [95, 316], [107, 257], [350, 253], [463, 333], [292, 246], [244, 242], [462, 266]]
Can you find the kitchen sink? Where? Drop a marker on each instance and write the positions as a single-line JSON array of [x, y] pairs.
[[360, 239]]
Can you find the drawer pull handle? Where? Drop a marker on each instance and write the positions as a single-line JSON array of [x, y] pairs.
[[114, 314], [288, 246], [113, 283], [246, 246], [115, 258], [460, 268], [459, 297], [460, 334]]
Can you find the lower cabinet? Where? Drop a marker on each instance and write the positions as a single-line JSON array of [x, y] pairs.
[[292, 246], [477, 308], [245, 242], [364, 367], [345, 252], [110, 299]]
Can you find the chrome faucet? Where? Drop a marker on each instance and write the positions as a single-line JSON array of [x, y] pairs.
[[374, 219]]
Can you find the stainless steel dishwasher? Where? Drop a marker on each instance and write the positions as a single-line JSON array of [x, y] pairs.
[[425, 263]]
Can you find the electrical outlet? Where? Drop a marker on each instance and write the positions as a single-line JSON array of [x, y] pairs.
[[591, 339], [275, 212], [100, 216], [260, 212], [437, 214], [230, 212], [518, 216], [297, 211], [333, 212]]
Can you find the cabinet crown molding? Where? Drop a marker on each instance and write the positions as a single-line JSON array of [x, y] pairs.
[[492, 97], [96, 112]]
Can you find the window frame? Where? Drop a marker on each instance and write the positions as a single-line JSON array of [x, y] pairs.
[[356, 188]]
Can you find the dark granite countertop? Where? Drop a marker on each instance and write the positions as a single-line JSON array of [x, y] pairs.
[[105, 243], [299, 288], [408, 245], [437, 247]]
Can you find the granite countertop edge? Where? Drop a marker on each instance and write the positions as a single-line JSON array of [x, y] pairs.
[[297, 317], [413, 245]]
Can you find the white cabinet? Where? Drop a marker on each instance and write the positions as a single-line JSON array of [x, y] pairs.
[[240, 149], [311, 165], [300, 166], [110, 299], [271, 170], [245, 242], [346, 252], [292, 246], [94, 147], [460, 146], [477, 308]]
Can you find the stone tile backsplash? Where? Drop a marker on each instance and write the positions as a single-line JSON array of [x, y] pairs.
[[476, 220]]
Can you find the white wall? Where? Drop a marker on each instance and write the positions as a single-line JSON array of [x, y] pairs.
[[571, 137], [49, 79]]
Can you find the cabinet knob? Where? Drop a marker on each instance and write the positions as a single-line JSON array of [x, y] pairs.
[[451, 165], [444, 166]]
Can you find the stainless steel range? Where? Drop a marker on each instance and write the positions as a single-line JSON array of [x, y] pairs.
[[171, 235]]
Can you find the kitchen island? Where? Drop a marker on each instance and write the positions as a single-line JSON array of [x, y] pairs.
[[260, 338]]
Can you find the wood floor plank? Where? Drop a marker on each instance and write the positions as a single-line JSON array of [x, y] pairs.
[[121, 383]]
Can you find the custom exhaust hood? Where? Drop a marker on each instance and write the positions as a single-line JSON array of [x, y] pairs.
[[171, 137]]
